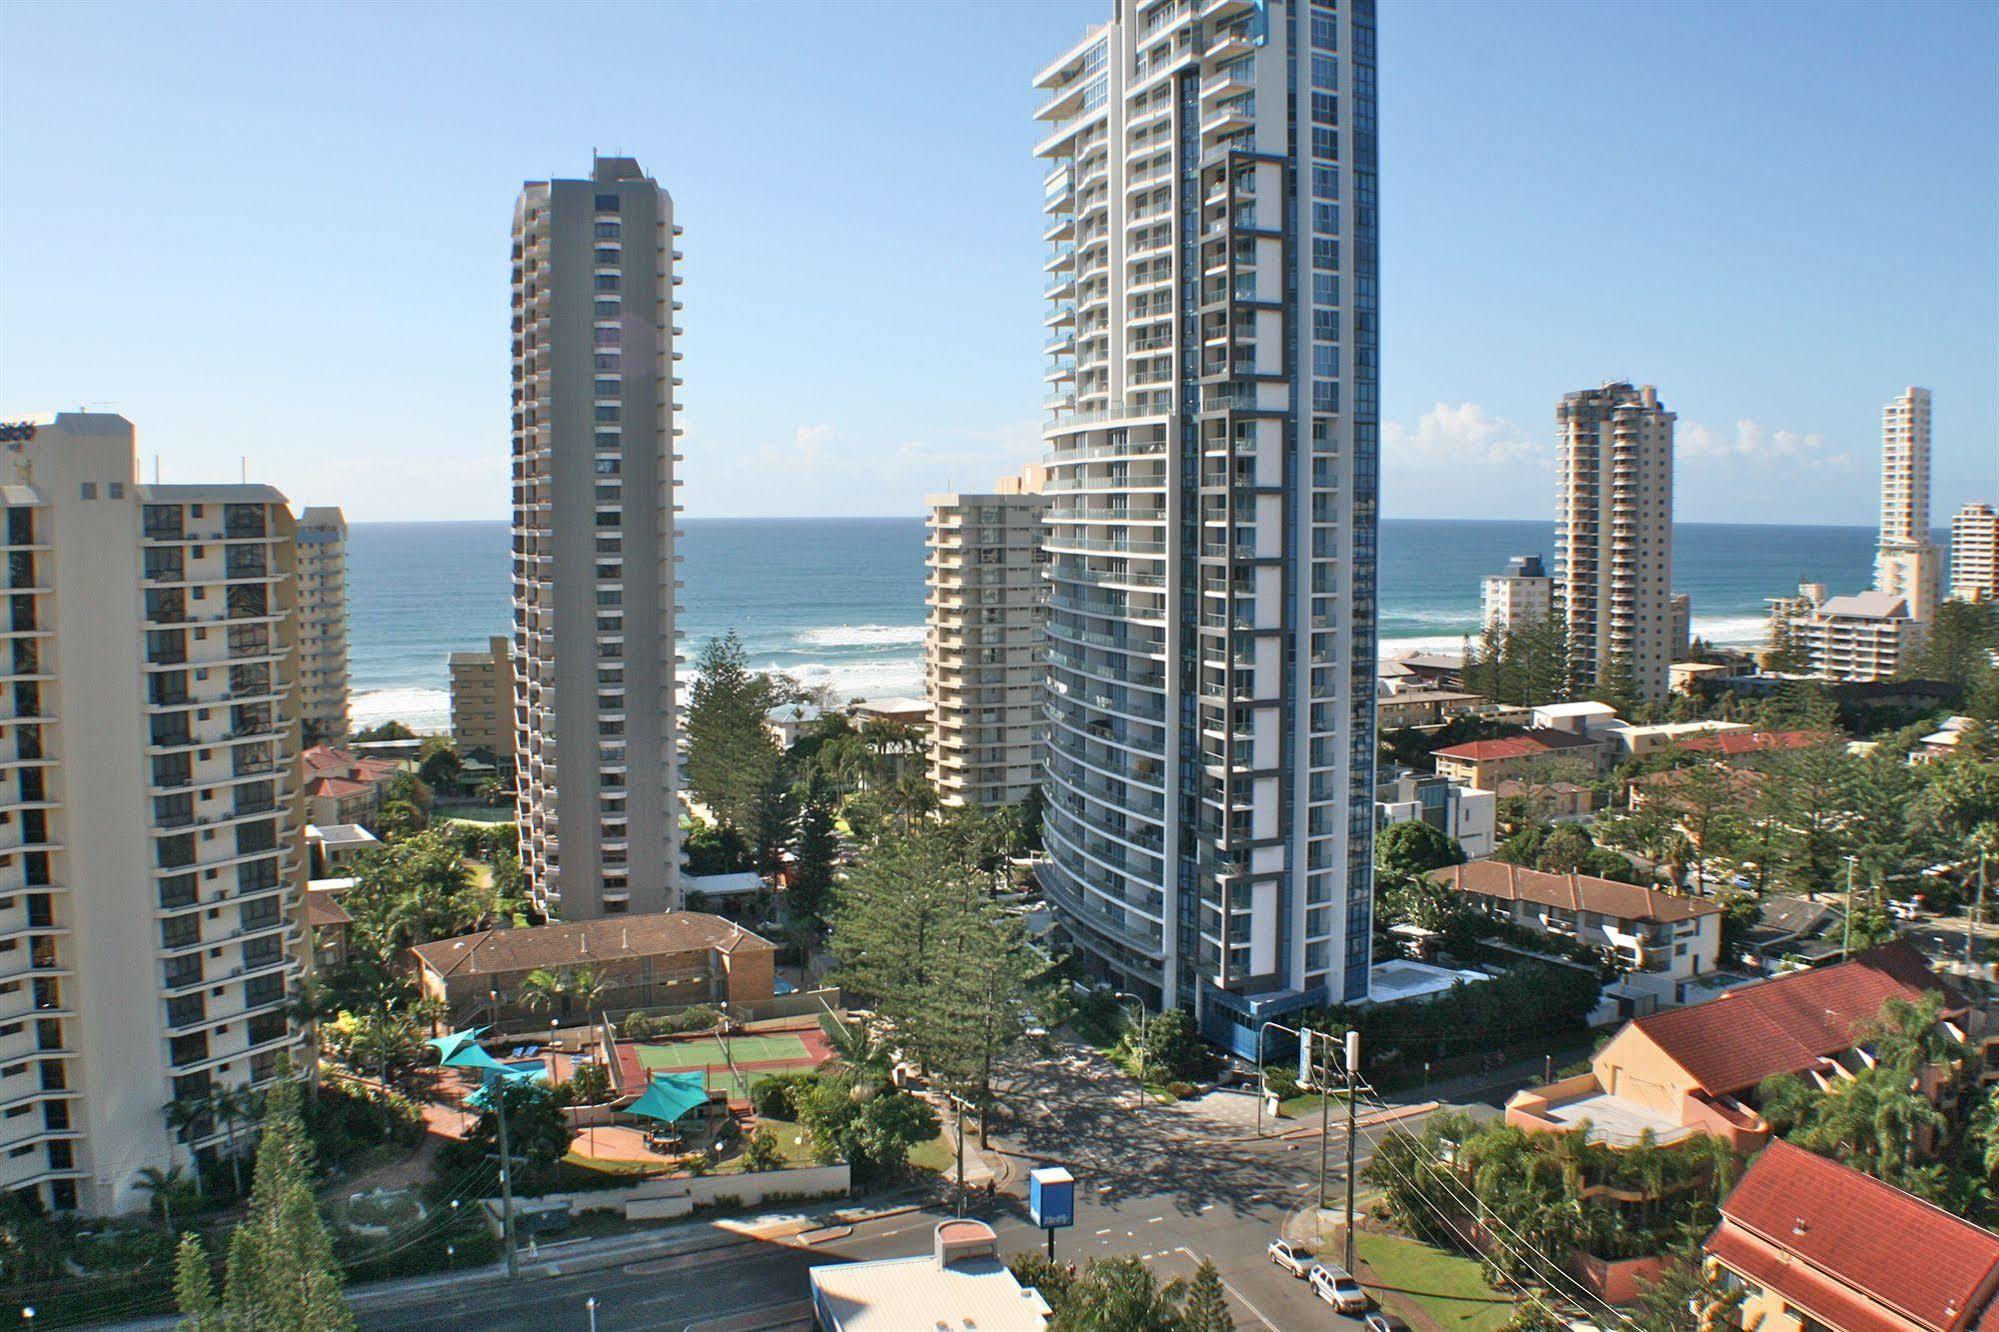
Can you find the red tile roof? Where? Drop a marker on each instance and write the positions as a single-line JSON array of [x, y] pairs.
[[1850, 1249], [1731, 743], [1786, 1025], [327, 761], [1572, 892], [339, 788], [608, 939], [1515, 746]]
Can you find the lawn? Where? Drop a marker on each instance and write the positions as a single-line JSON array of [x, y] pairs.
[[797, 1147], [939, 1154], [1447, 1287]]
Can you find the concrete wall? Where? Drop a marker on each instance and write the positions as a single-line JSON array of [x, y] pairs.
[[660, 1199]]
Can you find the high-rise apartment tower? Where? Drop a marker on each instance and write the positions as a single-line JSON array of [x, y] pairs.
[[1614, 536], [1521, 596], [152, 868], [1908, 565], [595, 574], [1213, 315], [322, 623], [984, 642], [1974, 553]]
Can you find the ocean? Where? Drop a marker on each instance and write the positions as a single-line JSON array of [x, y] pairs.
[[839, 601]]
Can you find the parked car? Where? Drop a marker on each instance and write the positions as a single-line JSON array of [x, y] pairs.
[[1293, 1258], [1336, 1286], [1381, 1322]]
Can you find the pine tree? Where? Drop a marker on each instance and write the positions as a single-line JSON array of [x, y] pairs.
[[194, 1288], [732, 759], [1206, 1308], [817, 852]]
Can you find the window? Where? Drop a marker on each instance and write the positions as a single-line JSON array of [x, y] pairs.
[[1326, 325], [607, 203], [1325, 31], [608, 337], [606, 308], [607, 388], [1325, 182], [607, 361], [1325, 361], [1325, 289], [1325, 253], [607, 231], [607, 256], [115, 490], [606, 282], [1326, 73], [1325, 109], [1326, 219], [88, 490], [1326, 143], [607, 411]]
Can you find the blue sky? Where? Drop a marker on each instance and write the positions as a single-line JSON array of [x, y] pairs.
[[280, 232]]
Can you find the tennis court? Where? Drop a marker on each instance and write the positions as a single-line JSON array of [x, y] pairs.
[[756, 1057]]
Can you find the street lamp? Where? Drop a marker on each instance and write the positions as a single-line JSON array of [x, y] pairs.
[[591, 1305], [1138, 1006], [28, 1314]]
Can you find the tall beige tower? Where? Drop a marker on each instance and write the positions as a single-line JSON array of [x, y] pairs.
[[1213, 314], [988, 610], [322, 629], [1614, 535], [152, 875], [1974, 553], [1908, 564], [595, 573]]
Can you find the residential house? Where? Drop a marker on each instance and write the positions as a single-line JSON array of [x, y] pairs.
[[1419, 705], [1815, 1245], [1544, 754], [332, 928], [1698, 1068], [788, 722], [341, 787], [1663, 939], [333, 847], [1445, 670], [1461, 812], [650, 960]]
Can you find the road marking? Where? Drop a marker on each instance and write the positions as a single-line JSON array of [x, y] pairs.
[[887, 1233], [1154, 1220], [1238, 1294], [1105, 1231], [1207, 1207]]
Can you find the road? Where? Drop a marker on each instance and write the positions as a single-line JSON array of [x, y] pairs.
[[1169, 1184]]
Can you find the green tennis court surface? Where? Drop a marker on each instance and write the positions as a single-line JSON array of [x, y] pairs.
[[709, 1051]]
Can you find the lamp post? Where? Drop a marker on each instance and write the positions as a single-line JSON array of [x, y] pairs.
[[1846, 936], [1262, 1078], [959, 1104], [591, 1305], [1138, 1006]]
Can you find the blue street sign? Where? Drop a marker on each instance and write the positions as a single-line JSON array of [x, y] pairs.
[[1051, 1197]]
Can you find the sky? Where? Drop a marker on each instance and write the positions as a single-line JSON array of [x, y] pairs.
[[275, 236]]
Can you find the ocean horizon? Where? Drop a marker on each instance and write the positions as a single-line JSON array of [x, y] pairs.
[[839, 601]]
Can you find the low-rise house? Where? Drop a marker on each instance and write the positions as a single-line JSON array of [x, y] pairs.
[[911, 712], [646, 961], [1662, 939], [1462, 812], [1443, 669], [1557, 801], [1793, 930], [1813, 1244], [1420, 705], [1487, 763], [1738, 746], [960, 1284], [1636, 742], [342, 787], [332, 928], [1698, 1068], [788, 722], [333, 846], [1584, 718]]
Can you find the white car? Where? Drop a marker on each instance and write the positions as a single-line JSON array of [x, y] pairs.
[[1381, 1322], [1293, 1258], [1336, 1286]]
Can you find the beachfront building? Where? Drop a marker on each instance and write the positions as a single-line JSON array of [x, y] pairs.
[[1974, 553], [152, 858], [322, 624], [983, 645], [1614, 535], [1521, 596], [482, 700], [1213, 434], [1682, 637], [1857, 638], [594, 566], [1908, 564]]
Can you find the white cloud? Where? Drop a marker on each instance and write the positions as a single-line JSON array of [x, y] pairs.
[[1465, 433], [1753, 442]]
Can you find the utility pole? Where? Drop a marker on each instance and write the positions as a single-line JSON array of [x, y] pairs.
[[1846, 938], [958, 1102], [499, 1090], [1353, 1131], [1971, 923], [1322, 1077]]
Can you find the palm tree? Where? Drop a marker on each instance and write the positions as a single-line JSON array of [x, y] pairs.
[[162, 1188], [182, 1114], [543, 990], [589, 985], [231, 1106], [860, 1049]]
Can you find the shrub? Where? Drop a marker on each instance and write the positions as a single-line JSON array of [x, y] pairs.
[[779, 1095], [1282, 1079], [698, 1018], [636, 1027], [1179, 1091]]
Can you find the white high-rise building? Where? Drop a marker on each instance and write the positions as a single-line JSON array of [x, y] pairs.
[[152, 858], [322, 623], [1614, 535], [1521, 596], [1213, 307], [1974, 553], [988, 609], [595, 573], [1908, 565]]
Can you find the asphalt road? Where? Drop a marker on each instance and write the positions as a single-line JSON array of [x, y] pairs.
[[1167, 1184]]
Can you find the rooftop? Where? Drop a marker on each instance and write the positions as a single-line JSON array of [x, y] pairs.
[[1399, 980], [604, 940], [341, 835], [1531, 745], [1789, 1024], [1572, 892], [960, 1286], [1614, 1120], [1863, 606], [1728, 743], [1834, 1241]]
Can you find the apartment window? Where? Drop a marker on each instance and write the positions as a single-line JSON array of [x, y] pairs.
[[606, 361], [607, 307], [605, 282], [1325, 253], [115, 490], [1325, 182], [1325, 31], [1325, 109], [608, 256], [607, 411], [607, 466], [1326, 143], [1325, 289], [610, 439], [609, 336], [1326, 327], [607, 203], [88, 490], [608, 388], [1326, 219]]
